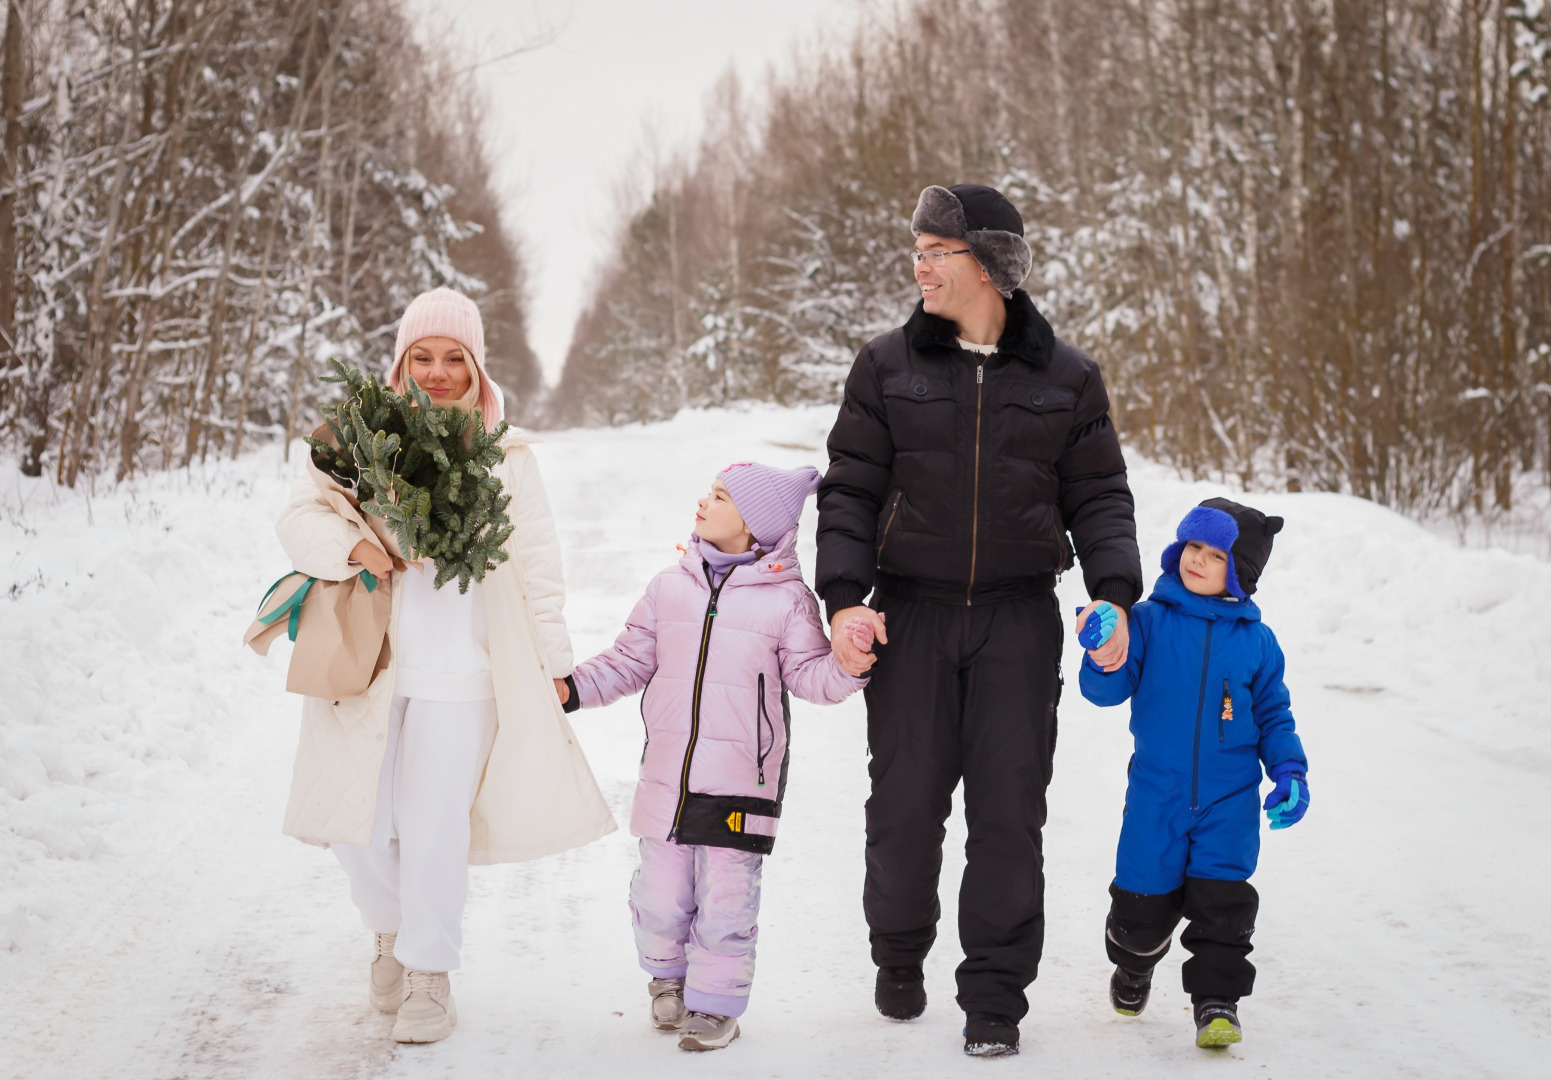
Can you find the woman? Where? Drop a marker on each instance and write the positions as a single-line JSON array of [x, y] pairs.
[[458, 752]]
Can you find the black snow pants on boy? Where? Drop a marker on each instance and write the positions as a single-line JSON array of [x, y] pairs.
[[1221, 918], [963, 691]]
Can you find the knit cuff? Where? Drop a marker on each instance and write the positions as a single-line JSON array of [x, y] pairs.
[[1293, 767], [1118, 591], [841, 594], [573, 700]]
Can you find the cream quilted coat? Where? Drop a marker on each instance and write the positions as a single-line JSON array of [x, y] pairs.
[[538, 795]]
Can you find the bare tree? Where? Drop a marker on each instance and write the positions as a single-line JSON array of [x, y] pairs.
[[171, 170], [1307, 239]]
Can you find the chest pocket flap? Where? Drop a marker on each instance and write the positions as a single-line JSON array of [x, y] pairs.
[[918, 388], [1036, 398]]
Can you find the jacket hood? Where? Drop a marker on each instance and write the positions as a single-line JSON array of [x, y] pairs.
[[777, 565], [1170, 590], [1027, 335]]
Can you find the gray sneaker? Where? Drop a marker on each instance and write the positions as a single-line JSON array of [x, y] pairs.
[[668, 1011], [702, 1031], [387, 976]]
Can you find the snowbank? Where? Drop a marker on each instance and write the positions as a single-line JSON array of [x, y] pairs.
[[119, 614]]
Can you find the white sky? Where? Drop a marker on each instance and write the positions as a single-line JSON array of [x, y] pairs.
[[571, 117]]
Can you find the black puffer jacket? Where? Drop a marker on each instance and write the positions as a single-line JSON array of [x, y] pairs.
[[968, 472]]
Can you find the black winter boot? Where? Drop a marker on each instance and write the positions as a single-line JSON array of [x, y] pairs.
[[1217, 1022], [989, 1035], [1128, 991], [901, 992]]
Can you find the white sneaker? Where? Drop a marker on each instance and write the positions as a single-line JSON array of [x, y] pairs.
[[702, 1031], [668, 1011], [428, 1012], [387, 976]]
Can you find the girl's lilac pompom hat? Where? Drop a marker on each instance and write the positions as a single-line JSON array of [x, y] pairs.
[[444, 312], [768, 499]]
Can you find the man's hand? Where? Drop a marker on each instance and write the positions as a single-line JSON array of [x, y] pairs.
[[1111, 656], [372, 557], [854, 661]]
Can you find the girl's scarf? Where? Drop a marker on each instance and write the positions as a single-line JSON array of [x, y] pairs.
[[721, 562]]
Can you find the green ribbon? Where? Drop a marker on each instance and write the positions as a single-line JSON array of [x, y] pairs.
[[292, 606]]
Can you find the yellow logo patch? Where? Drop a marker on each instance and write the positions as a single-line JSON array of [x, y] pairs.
[[735, 821]]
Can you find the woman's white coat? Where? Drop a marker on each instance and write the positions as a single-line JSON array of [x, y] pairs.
[[538, 795]]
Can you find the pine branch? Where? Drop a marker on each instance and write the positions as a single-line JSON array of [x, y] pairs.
[[422, 469]]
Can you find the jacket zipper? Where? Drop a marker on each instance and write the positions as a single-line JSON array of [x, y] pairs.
[[1224, 712], [974, 527], [887, 525], [1195, 765], [762, 715], [647, 742], [694, 709]]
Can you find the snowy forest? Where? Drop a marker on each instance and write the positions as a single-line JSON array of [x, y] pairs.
[[1308, 241], [203, 200]]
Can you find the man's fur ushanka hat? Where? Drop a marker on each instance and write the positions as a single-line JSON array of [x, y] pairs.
[[988, 224]]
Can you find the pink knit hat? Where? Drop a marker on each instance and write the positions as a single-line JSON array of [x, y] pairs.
[[769, 500], [444, 312]]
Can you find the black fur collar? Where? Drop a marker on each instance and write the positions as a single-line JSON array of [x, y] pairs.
[[1027, 335]]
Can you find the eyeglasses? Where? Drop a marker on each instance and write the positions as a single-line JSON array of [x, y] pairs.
[[936, 258]]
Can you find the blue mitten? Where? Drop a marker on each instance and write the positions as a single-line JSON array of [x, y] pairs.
[[1289, 801], [1100, 625]]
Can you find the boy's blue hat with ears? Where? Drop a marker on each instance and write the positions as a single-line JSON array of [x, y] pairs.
[[1242, 531]]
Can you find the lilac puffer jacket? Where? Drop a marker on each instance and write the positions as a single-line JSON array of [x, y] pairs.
[[716, 665]]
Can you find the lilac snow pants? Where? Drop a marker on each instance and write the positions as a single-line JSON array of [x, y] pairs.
[[695, 910]]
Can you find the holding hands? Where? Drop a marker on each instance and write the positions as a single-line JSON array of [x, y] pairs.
[[1104, 633], [860, 631], [1099, 626], [380, 563], [852, 632]]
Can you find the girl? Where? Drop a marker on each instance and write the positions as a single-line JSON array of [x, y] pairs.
[[458, 752], [720, 637]]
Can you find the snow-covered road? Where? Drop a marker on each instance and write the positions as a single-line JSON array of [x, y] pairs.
[[154, 923]]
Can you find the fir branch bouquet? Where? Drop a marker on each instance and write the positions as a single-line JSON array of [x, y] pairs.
[[423, 469]]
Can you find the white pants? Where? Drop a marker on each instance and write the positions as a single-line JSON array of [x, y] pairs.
[[414, 876]]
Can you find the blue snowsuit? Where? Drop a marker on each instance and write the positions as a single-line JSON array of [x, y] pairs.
[[1208, 708]]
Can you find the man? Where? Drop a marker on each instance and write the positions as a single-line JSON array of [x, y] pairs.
[[971, 441]]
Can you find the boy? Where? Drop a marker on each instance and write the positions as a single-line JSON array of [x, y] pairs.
[[1208, 707]]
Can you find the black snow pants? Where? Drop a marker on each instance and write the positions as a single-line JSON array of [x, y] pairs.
[[1221, 918], [963, 691]]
